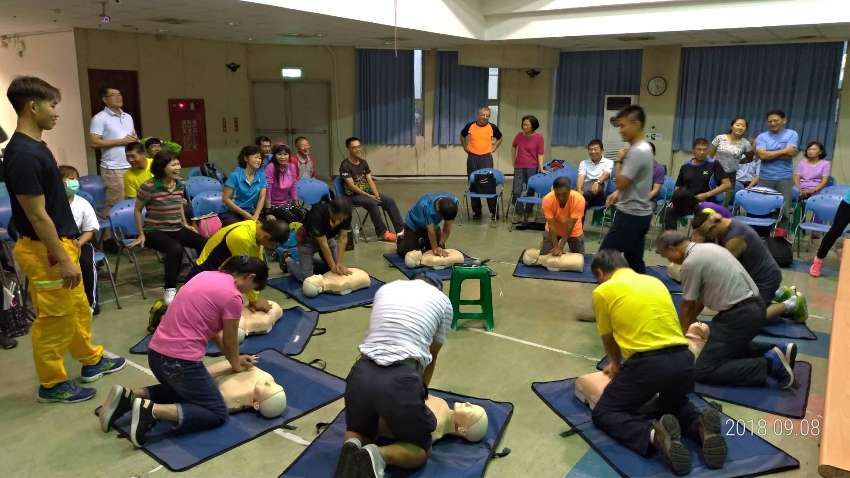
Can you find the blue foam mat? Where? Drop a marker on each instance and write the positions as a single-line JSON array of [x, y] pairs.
[[289, 336], [771, 399], [451, 456], [539, 272], [444, 274], [748, 454], [660, 273], [307, 389], [325, 303]]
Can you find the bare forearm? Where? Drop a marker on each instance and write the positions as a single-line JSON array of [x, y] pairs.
[[612, 350], [690, 310], [85, 237], [326, 252], [340, 250], [45, 229], [427, 374]]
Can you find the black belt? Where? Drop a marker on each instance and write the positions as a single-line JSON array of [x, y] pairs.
[[664, 351]]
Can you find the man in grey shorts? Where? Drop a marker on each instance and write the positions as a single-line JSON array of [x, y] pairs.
[[713, 277]]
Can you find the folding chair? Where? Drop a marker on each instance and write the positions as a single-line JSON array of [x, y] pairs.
[[500, 186], [96, 188], [360, 213], [821, 212], [198, 184], [761, 205], [538, 186], [311, 191], [208, 202], [122, 217]]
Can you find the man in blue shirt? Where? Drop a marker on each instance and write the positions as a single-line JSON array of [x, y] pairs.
[[775, 148], [422, 224]]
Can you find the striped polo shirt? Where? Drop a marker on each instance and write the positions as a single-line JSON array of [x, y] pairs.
[[164, 206], [407, 316]]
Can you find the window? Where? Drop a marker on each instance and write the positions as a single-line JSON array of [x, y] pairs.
[[493, 94], [419, 104]]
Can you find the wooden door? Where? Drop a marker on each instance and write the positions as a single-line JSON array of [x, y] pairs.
[[125, 81]]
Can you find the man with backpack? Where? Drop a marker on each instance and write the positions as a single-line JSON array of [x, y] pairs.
[[480, 139]]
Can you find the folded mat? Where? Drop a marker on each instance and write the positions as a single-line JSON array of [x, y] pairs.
[[289, 336], [307, 389], [771, 399], [540, 272], [451, 456], [748, 454], [325, 303], [444, 274], [660, 272]]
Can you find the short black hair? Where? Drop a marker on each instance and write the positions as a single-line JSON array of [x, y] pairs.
[[531, 119], [561, 182], [277, 229], [152, 141], [247, 265], [160, 161], [246, 151], [341, 205], [819, 145], [633, 112], [447, 209], [352, 139], [104, 90], [67, 171], [701, 142], [608, 260], [299, 139], [135, 147], [24, 89], [779, 113], [262, 139], [595, 141]]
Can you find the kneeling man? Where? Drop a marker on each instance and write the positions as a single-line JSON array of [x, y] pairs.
[[422, 224], [563, 209]]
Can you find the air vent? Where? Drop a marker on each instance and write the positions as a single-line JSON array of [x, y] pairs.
[[636, 38], [806, 37], [170, 20]]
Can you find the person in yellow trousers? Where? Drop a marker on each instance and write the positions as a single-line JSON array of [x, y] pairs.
[[46, 250]]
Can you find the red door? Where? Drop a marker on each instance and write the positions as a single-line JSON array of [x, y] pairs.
[[189, 129]]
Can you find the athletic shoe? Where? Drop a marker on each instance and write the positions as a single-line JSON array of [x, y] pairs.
[[65, 392], [668, 441], [713, 444], [345, 467], [90, 373], [7, 343], [801, 312], [791, 354], [142, 421], [389, 236], [780, 370], [784, 293], [119, 401], [168, 295], [369, 463], [817, 264]]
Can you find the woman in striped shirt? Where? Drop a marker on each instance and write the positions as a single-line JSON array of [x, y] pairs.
[[164, 227]]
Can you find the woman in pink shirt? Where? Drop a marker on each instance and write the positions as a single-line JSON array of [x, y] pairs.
[[812, 171], [208, 307], [527, 159], [281, 176]]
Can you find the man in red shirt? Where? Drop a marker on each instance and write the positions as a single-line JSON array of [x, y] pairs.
[[477, 139]]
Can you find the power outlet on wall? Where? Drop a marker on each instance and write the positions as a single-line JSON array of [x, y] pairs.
[[654, 136]]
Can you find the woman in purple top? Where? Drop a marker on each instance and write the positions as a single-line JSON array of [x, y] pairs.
[[527, 159], [812, 172], [281, 176]]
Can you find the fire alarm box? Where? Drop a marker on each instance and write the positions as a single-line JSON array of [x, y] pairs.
[[189, 129]]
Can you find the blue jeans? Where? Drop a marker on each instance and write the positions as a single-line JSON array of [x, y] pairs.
[[188, 385], [628, 235], [521, 176]]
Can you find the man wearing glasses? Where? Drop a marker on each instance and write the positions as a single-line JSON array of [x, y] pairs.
[[111, 129]]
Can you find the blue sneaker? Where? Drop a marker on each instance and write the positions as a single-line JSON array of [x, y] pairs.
[[779, 369], [90, 373], [65, 392]]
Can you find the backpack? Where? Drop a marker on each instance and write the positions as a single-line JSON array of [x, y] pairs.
[[208, 225], [155, 315], [556, 164], [290, 212], [780, 250], [483, 183], [210, 170]]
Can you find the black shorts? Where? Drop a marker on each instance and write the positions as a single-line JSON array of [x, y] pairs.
[[396, 394]]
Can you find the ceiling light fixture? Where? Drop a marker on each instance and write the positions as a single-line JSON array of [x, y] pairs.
[[231, 23]]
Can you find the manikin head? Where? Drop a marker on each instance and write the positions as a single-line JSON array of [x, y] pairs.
[[672, 245], [470, 421], [530, 256], [412, 259], [269, 399], [313, 285]]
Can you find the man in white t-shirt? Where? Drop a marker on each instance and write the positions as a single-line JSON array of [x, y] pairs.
[[593, 175], [111, 129]]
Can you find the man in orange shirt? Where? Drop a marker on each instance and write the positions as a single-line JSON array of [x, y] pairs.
[[563, 209], [477, 140]]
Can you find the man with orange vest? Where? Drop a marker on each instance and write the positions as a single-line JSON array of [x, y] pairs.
[[477, 139]]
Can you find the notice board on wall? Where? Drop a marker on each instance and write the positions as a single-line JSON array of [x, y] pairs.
[[189, 129]]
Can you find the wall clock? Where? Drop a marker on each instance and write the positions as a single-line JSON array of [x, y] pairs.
[[656, 86]]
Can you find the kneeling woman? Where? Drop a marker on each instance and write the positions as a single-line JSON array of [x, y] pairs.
[[208, 307]]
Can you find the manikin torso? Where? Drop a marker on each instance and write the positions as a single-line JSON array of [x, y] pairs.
[[674, 271], [415, 259], [466, 420], [255, 322], [241, 390], [335, 283], [568, 261]]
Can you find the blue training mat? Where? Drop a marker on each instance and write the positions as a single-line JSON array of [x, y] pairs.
[[325, 303], [444, 274], [451, 456], [307, 389], [660, 273], [289, 336], [539, 272], [748, 454], [771, 399]]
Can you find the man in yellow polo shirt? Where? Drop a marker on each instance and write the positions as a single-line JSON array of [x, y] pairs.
[[477, 139], [140, 169], [648, 355], [563, 208]]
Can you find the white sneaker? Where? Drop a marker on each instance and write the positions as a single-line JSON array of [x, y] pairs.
[[168, 296]]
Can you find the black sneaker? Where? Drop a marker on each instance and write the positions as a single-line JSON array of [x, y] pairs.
[[713, 443], [791, 354], [142, 421], [119, 401], [369, 463], [668, 441], [345, 466]]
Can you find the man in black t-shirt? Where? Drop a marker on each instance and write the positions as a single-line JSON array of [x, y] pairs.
[[46, 249], [322, 225], [694, 184], [361, 188]]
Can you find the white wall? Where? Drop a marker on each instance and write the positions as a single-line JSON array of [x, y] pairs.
[[52, 57]]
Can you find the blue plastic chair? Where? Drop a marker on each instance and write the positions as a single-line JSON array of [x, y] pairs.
[[123, 220], [566, 166], [839, 190], [821, 212], [500, 186], [208, 202], [4, 191], [360, 215], [312, 191], [538, 186], [198, 184], [96, 188], [758, 204]]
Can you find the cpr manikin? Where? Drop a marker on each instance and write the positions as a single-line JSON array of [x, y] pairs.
[[464, 419], [254, 322], [674, 271], [568, 261], [415, 259], [589, 387], [335, 283], [251, 388]]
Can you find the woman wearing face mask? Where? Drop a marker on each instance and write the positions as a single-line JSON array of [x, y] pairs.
[[87, 222]]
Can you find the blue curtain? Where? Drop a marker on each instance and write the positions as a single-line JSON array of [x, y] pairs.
[[720, 83], [385, 97], [583, 80], [461, 90]]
